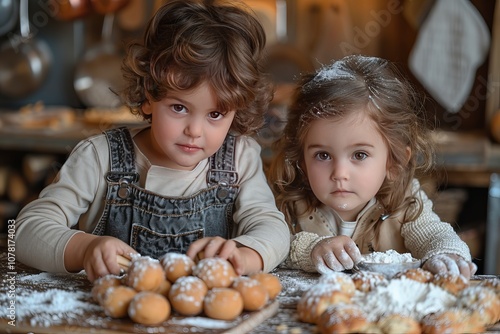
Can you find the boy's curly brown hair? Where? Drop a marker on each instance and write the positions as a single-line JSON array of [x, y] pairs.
[[190, 42]]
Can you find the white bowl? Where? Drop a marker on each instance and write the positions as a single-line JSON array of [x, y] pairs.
[[388, 269]]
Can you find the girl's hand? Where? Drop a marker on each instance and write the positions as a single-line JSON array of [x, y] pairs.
[[336, 253], [244, 260], [452, 263], [99, 258]]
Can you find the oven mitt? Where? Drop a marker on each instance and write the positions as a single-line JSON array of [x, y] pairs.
[[452, 43]]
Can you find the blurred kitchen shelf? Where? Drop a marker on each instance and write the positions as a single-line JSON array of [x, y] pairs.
[[466, 158]]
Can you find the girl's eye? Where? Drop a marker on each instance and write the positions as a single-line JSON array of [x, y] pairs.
[[215, 115], [179, 108], [323, 156], [360, 156]]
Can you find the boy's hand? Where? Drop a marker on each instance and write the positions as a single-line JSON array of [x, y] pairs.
[[100, 256], [96, 254], [244, 260], [336, 253], [452, 263]]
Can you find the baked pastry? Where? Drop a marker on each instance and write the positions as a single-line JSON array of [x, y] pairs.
[[187, 294], [116, 300], [215, 272], [145, 274], [342, 318], [366, 281], [164, 288], [481, 300], [416, 274], [270, 282], [223, 304], [102, 284], [399, 324], [339, 280], [149, 308], [254, 294], [317, 299], [453, 283], [492, 283], [451, 321], [176, 265]]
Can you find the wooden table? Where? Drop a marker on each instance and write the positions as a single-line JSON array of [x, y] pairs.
[[79, 314]]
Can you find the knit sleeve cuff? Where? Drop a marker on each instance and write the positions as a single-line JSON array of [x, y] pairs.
[[300, 251]]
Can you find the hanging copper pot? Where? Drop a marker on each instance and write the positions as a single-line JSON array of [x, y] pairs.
[[108, 6], [68, 10]]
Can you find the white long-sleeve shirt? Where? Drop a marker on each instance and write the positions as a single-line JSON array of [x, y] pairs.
[[75, 200]]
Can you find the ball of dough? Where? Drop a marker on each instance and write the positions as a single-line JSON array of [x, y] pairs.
[[343, 318], [145, 274], [116, 301], [176, 265], [187, 294], [102, 284], [149, 308], [254, 294], [164, 288], [340, 280], [215, 272], [223, 304], [316, 300], [270, 282]]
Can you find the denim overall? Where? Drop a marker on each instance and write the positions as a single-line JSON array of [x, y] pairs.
[[153, 224]]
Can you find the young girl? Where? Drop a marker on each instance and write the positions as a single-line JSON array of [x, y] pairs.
[[192, 180], [345, 172]]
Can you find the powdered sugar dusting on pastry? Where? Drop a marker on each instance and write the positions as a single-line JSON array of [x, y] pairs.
[[406, 297]]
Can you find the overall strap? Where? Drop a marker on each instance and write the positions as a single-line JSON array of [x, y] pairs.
[[121, 156], [222, 164]]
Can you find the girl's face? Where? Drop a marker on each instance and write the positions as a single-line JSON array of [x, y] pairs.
[[345, 162], [186, 128]]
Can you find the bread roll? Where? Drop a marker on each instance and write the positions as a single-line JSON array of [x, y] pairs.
[[149, 308], [223, 304], [254, 294]]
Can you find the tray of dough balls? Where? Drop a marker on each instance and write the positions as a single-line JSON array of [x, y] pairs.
[[177, 294], [408, 299]]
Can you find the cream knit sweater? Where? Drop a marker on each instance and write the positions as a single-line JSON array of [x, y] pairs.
[[423, 238]]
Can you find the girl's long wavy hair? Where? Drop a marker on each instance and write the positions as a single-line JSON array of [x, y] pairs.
[[188, 42], [351, 85]]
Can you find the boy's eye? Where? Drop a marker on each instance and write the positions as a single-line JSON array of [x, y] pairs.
[[215, 115], [360, 156], [178, 108]]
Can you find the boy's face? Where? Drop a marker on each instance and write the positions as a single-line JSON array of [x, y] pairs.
[[186, 128], [345, 162]]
